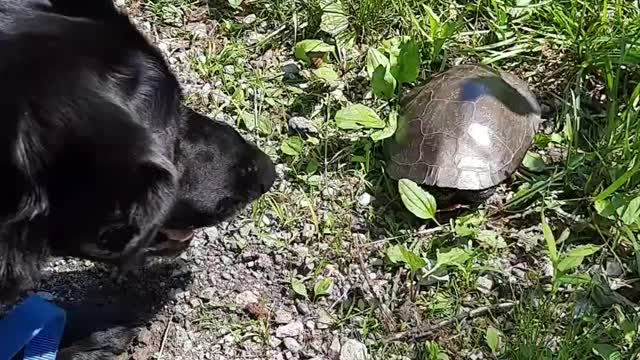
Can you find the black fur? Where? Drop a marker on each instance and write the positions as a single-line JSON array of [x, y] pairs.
[[98, 151]]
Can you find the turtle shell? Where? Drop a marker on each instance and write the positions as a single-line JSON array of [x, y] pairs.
[[468, 128]]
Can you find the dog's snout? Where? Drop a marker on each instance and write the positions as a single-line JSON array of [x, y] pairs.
[[263, 172]]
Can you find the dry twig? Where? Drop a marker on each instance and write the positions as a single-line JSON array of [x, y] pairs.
[[421, 334]]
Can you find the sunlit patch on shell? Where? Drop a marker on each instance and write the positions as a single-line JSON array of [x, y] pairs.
[[480, 134]]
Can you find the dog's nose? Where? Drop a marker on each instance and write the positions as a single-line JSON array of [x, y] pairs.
[[266, 173]]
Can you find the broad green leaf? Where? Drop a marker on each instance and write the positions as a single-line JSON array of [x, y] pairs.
[[374, 59], [313, 180], [248, 120], [574, 257], [312, 167], [606, 352], [491, 239], [608, 208], [265, 126], [493, 338], [629, 330], [304, 47], [400, 254], [533, 162], [407, 66], [323, 287], [392, 45], [550, 239], [388, 130], [326, 74], [394, 253], [416, 200], [584, 250], [235, 3], [299, 288], [469, 225], [346, 39], [414, 261], [569, 262], [619, 182], [358, 116], [557, 138], [455, 256], [630, 213], [333, 20], [383, 83], [292, 146], [563, 236]]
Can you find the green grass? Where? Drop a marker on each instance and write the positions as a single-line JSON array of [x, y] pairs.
[[582, 58]]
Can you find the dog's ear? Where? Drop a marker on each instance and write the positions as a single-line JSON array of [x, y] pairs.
[[93, 9], [154, 192]]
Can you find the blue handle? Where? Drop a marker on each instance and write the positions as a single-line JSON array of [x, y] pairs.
[[36, 326]]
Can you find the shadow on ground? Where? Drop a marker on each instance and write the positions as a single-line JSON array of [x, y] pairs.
[[102, 310]]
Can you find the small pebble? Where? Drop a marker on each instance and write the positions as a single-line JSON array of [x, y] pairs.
[[245, 298], [613, 268], [292, 345], [353, 350], [302, 125], [334, 348], [290, 330], [283, 317], [484, 284], [365, 199], [303, 308], [229, 69], [249, 19]]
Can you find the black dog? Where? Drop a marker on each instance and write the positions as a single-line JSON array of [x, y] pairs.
[[100, 159]]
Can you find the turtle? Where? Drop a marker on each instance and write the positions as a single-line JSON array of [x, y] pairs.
[[464, 132]]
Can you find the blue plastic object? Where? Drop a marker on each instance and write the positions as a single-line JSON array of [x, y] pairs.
[[36, 326]]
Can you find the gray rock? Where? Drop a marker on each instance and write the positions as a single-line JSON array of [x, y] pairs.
[[290, 330], [249, 19], [365, 199], [613, 268], [229, 69], [353, 350], [283, 317], [198, 29], [212, 233], [145, 336], [484, 284], [302, 125], [324, 320], [301, 251], [334, 348], [291, 71], [275, 342], [245, 298], [303, 308], [310, 325], [227, 119], [292, 345]]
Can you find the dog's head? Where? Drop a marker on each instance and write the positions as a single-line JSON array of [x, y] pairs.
[[220, 172]]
